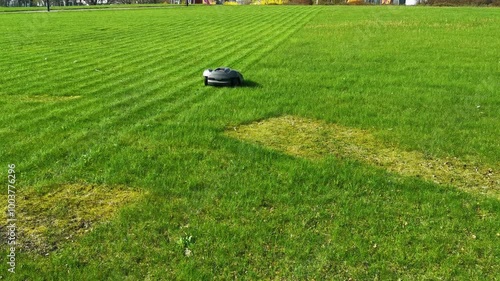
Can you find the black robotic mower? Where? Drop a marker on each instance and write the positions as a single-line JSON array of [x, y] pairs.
[[222, 76]]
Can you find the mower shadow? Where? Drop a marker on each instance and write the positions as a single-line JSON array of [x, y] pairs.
[[250, 84], [245, 84]]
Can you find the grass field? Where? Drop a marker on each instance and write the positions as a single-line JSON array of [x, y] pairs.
[[128, 168]]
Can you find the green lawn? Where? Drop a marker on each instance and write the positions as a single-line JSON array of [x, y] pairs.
[[114, 100]]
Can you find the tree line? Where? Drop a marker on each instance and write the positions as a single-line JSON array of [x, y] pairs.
[[36, 3]]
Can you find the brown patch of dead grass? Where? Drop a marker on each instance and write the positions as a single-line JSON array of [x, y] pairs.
[[314, 139], [48, 98], [44, 221]]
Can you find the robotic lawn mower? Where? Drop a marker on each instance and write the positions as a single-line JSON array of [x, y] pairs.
[[222, 76]]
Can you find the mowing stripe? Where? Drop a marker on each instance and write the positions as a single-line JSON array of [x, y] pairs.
[[148, 98], [127, 74], [135, 78]]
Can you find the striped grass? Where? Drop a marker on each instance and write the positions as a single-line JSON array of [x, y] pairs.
[[422, 80]]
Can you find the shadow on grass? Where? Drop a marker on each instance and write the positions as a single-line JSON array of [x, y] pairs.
[[245, 84], [250, 84]]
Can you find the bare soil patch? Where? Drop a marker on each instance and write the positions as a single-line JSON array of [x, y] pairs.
[[315, 139], [46, 220]]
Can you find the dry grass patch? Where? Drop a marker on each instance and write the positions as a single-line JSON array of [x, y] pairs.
[[45, 220], [315, 139], [48, 98]]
